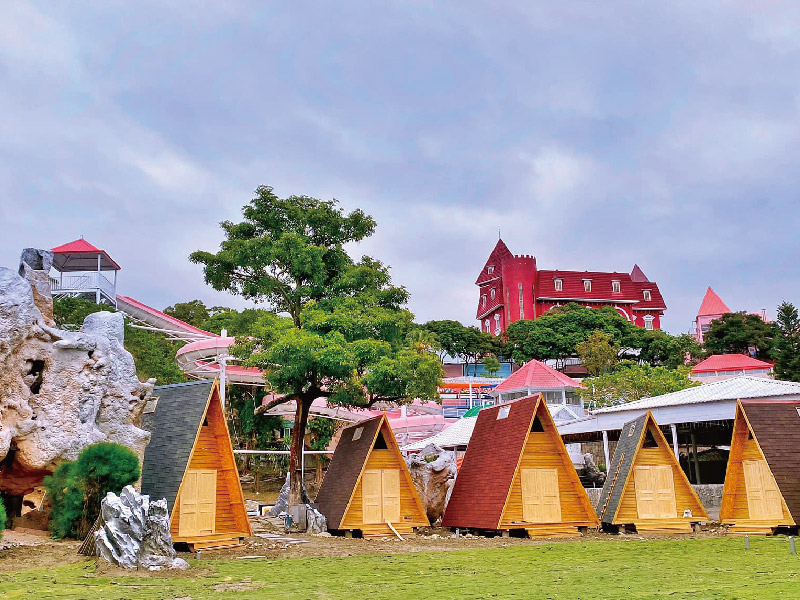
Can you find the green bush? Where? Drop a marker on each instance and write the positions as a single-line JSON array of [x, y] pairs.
[[77, 488], [2, 518]]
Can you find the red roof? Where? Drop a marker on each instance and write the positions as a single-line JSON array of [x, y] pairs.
[[730, 362], [500, 253], [602, 284], [79, 256], [712, 305], [482, 485], [638, 275], [536, 376]]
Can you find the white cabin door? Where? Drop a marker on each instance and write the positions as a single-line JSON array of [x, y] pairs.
[[541, 502]]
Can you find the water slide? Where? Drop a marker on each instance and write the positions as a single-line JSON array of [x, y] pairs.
[[205, 355]]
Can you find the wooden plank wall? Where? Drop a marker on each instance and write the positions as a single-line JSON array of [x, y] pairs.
[[385, 459], [210, 452], [684, 498]]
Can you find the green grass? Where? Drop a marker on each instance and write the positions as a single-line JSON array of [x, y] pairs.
[[628, 569]]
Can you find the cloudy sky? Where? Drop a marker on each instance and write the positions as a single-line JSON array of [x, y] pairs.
[[593, 135]]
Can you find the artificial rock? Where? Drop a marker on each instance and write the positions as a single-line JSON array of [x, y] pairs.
[[433, 471], [60, 391]]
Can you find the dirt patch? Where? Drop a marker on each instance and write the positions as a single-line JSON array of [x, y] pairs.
[[21, 551]]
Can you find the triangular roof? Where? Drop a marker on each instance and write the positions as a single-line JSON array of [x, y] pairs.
[[630, 442], [498, 254], [347, 465], [638, 275], [776, 428], [537, 376], [80, 255], [712, 305], [730, 362], [174, 425]]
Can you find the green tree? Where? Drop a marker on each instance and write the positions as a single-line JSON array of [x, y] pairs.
[[193, 312], [491, 365], [598, 353], [786, 348], [348, 324], [658, 348], [629, 381], [468, 344], [556, 334], [76, 489], [736, 333], [153, 353], [3, 518]]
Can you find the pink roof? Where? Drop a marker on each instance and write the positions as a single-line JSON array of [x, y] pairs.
[[80, 248], [712, 305], [180, 325], [536, 376], [730, 362], [500, 253]]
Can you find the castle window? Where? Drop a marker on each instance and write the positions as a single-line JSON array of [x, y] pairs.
[[615, 287], [647, 296], [483, 299], [559, 283], [488, 324], [648, 322], [492, 293], [490, 269], [587, 285]]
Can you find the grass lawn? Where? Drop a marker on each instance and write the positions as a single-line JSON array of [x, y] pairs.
[[629, 569]]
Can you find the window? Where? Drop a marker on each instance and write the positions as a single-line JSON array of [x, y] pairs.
[[647, 296], [503, 412], [559, 283], [492, 293], [483, 299], [648, 322], [521, 304], [150, 405], [615, 287], [488, 324], [587, 285], [357, 433], [490, 269]]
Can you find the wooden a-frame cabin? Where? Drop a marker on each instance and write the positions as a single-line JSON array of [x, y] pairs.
[[762, 483], [517, 475], [645, 486], [367, 487], [190, 462]]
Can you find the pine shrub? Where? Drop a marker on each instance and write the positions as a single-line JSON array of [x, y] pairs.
[[77, 488]]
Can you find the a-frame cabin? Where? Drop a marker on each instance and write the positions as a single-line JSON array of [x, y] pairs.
[[762, 483], [646, 487], [190, 462], [518, 476], [367, 487]]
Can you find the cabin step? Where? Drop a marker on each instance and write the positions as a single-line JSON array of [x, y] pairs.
[[553, 532], [216, 545]]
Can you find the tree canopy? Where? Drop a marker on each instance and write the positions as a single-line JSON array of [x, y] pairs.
[[597, 353], [344, 336], [629, 381], [737, 333], [786, 347]]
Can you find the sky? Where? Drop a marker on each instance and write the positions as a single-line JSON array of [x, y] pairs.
[[592, 135]]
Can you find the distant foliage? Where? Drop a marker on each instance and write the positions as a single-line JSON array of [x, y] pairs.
[[491, 365], [737, 333], [77, 488], [629, 381], [193, 312], [598, 353], [786, 349], [3, 518], [153, 353]]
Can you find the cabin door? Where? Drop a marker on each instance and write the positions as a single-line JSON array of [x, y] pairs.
[[380, 495], [763, 495], [198, 503], [655, 492], [541, 502]]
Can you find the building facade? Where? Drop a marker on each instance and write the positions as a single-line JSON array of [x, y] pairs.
[[513, 288]]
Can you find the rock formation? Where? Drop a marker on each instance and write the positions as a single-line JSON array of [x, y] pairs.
[[433, 472], [590, 471], [59, 390], [134, 532]]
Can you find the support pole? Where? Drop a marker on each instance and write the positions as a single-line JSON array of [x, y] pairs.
[[696, 462], [97, 291], [674, 429], [605, 451]]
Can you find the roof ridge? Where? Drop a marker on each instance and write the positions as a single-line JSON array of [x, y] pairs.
[[185, 383]]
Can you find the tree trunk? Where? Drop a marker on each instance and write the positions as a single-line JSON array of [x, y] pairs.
[[298, 433]]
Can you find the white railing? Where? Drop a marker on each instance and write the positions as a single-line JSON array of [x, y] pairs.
[[83, 282]]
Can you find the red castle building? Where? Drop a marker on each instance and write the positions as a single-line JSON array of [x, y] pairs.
[[513, 288]]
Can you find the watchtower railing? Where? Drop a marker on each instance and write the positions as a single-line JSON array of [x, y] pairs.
[[82, 282]]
